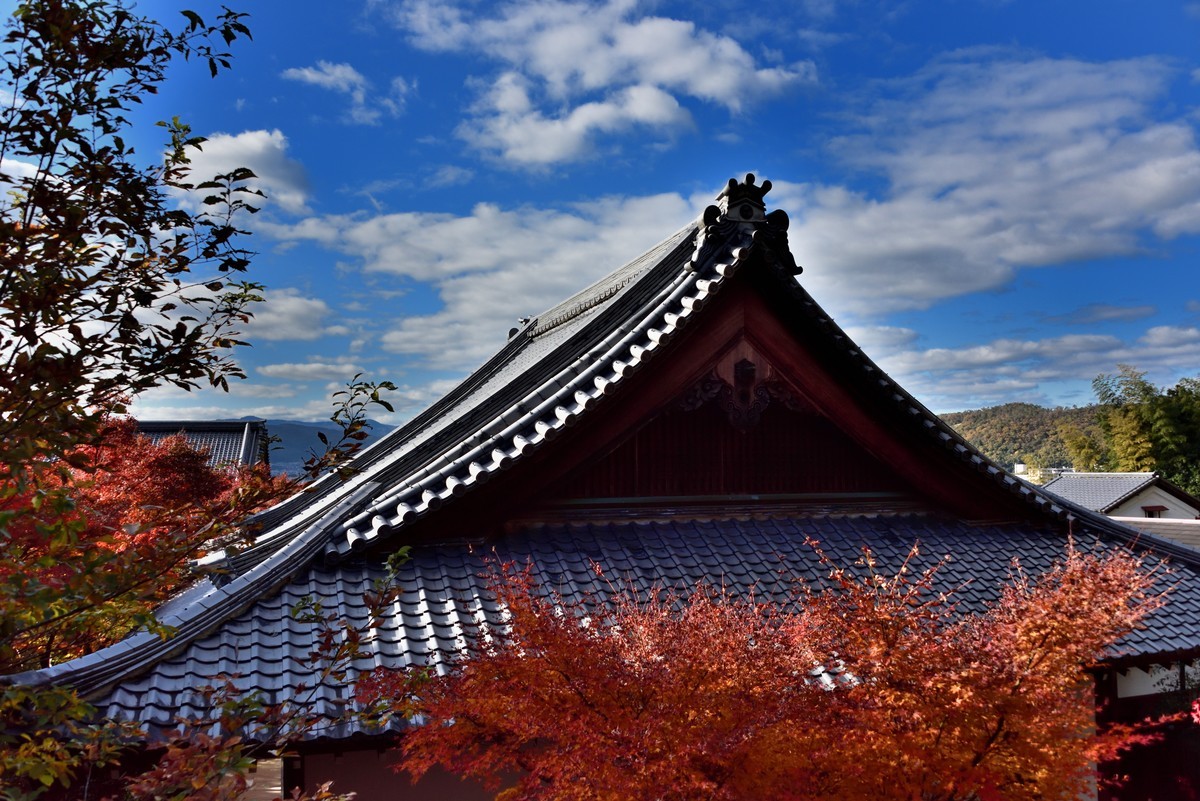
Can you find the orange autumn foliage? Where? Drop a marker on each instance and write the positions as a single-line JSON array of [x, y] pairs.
[[876, 688], [110, 535]]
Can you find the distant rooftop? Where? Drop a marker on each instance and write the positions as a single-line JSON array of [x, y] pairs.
[[232, 442], [1101, 492]]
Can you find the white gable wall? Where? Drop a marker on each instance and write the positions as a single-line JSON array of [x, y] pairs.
[[1153, 496]]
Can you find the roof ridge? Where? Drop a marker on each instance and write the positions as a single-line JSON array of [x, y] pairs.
[[608, 286]]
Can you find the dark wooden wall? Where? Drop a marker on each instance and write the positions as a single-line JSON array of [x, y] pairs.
[[700, 452]]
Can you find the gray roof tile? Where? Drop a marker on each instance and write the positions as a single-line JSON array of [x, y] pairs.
[[1098, 491], [764, 557], [241, 442]]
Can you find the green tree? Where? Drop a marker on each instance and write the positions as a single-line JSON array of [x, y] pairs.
[[1023, 432], [1086, 453], [1146, 427]]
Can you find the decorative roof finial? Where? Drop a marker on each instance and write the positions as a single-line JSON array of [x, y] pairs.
[[745, 200], [739, 219]]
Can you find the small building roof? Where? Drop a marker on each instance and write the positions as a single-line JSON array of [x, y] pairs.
[[1103, 492], [227, 442]]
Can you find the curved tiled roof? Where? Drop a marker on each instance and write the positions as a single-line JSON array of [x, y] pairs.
[[444, 597], [553, 374], [1099, 491]]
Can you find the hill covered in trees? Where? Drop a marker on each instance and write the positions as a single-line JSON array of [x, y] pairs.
[[1023, 432]]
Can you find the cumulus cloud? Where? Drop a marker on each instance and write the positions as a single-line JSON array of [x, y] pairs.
[[15, 168], [493, 265], [881, 339], [220, 408], [316, 370], [367, 107], [520, 132], [993, 163], [279, 177], [285, 314], [242, 398], [573, 70], [1028, 369]]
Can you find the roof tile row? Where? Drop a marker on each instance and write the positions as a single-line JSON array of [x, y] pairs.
[[445, 599]]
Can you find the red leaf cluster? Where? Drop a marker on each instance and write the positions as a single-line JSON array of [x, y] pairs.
[[877, 688], [107, 533]]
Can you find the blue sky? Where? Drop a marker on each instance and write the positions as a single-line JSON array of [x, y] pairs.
[[999, 200]]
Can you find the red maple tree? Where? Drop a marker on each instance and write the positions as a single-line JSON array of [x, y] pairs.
[[876, 688], [109, 533]]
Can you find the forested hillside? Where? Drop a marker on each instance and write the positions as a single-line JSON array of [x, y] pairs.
[[1023, 432]]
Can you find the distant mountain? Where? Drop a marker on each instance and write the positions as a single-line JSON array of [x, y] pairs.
[[1022, 432], [298, 440]]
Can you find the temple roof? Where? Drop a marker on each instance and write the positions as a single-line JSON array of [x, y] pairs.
[[445, 600], [553, 381]]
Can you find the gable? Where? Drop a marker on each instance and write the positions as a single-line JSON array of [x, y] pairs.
[[1156, 499], [744, 428], [697, 453], [748, 408]]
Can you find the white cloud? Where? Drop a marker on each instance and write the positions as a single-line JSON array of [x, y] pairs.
[[207, 403], [16, 168], [221, 409], [880, 339], [572, 70], [523, 135], [315, 370], [285, 314], [991, 164], [338, 77], [366, 107], [1010, 369], [449, 175], [1167, 339], [484, 267], [994, 164], [265, 153]]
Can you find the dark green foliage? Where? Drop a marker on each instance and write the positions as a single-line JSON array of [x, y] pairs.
[[1146, 427], [1135, 427], [1023, 432]]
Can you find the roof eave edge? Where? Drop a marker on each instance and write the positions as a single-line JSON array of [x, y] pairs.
[[98, 672], [572, 392]]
